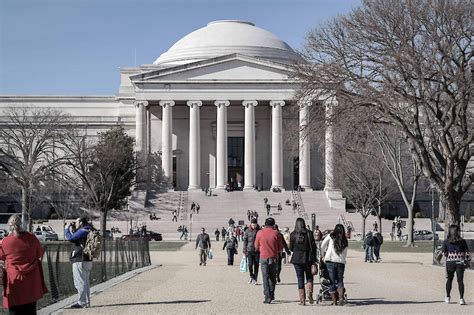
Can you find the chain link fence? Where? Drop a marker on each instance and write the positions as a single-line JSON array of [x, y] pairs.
[[118, 258]]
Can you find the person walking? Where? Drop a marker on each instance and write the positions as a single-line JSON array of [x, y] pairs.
[[369, 247], [268, 206], [249, 214], [269, 243], [378, 241], [76, 233], [458, 258], [286, 238], [231, 245], [223, 233], [231, 223], [238, 233], [281, 254], [303, 246], [217, 233], [334, 251], [250, 251], [24, 282], [203, 241], [318, 237]]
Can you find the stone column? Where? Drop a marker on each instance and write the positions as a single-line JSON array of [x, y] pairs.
[[304, 147], [221, 140], [249, 152], [194, 146], [141, 140], [277, 144], [329, 150], [167, 139]]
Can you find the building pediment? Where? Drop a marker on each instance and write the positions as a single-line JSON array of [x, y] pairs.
[[224, 69]]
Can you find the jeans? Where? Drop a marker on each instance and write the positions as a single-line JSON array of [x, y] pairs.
[[369, 253], [202, 256], [451, 268], [377, 251], [230, 256], [81, 272], [301, 271], [269, 271], [336, 275], [253, 258]]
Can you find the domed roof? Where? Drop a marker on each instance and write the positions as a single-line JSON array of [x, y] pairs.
[[225, 37]]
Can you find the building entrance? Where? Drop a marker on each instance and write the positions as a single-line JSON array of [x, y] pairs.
[[235, 162]]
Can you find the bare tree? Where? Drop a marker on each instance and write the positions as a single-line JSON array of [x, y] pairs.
[[407, 62], [28, 139]]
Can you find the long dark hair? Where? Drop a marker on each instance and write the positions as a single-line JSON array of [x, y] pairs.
[[454, 235], [300, 230], [339, 238]]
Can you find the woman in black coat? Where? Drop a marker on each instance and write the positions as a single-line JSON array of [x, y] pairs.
[[303, 246]]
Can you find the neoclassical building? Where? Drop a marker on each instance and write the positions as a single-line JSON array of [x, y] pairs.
[[216, 106]]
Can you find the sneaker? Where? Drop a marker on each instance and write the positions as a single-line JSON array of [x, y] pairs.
[[462, 302], [200, 264], [250, 281], [447, 300], [77, 305], [255, 282]]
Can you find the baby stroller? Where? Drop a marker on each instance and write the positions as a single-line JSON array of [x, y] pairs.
[[323, 294]]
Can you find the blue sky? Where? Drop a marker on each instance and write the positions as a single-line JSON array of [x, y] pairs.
[[75, 47]]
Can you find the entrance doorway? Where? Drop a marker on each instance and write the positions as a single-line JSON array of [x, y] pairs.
[[235, 162], [296, 172]]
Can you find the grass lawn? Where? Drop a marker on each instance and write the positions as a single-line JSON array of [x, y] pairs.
[[166, 246], [398, 247]]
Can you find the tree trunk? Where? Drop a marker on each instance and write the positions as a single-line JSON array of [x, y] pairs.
[[25, 207], [410, 222], [364, 218], [103, 227], [451, 210], [379, 219]]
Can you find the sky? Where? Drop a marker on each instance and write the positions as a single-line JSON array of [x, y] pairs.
[[76, 47]]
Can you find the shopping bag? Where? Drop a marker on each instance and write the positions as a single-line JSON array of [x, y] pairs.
[[209, 254], [244, 264]]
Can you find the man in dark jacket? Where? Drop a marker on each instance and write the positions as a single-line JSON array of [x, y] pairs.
[[203, 241], [250, 251], [76, 232]]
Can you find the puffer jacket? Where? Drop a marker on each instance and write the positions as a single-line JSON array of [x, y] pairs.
[[249, 240]]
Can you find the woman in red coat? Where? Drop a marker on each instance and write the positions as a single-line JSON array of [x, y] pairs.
[[24, 283]]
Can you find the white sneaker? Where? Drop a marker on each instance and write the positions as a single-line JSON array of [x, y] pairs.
[[462, 302], [250, 281], [447, 300], [255, 282]]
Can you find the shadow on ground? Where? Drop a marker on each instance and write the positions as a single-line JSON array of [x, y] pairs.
[[153, 303], [379, 301]]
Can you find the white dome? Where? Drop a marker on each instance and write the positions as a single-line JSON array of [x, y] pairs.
[[225, 37]]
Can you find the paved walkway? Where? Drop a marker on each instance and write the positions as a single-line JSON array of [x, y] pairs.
[[403, 283]]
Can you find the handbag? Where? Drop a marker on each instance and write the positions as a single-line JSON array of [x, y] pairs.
[[244, 265], [209, 254], [314, 266]]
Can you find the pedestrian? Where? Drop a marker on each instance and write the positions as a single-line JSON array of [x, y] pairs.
[[223, 233], [81, 263], [318, 237], [203, 242], [248, 214], [303, 246], [399, 229], [23, 275], [231, 222], [369, 247], [392, 235], [376, 226], [378, 241], [193, 206], [231, 245], [279, 207], [185, 231], [217, 233], [181, 229], [265, 200], [238, 233], [286, 238], [198, 207], [175, 216], [269, 243], [268, 209], [250, 251], [458, 259], [281, 254], [334, 249]]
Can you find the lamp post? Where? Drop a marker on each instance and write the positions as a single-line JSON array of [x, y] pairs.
[[433, 222]]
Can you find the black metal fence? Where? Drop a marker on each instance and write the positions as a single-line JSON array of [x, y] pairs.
[[119, 257]]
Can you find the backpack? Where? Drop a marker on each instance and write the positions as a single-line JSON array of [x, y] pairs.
[[93, 244]]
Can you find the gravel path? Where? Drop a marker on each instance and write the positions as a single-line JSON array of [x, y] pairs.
[[402, 283]]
